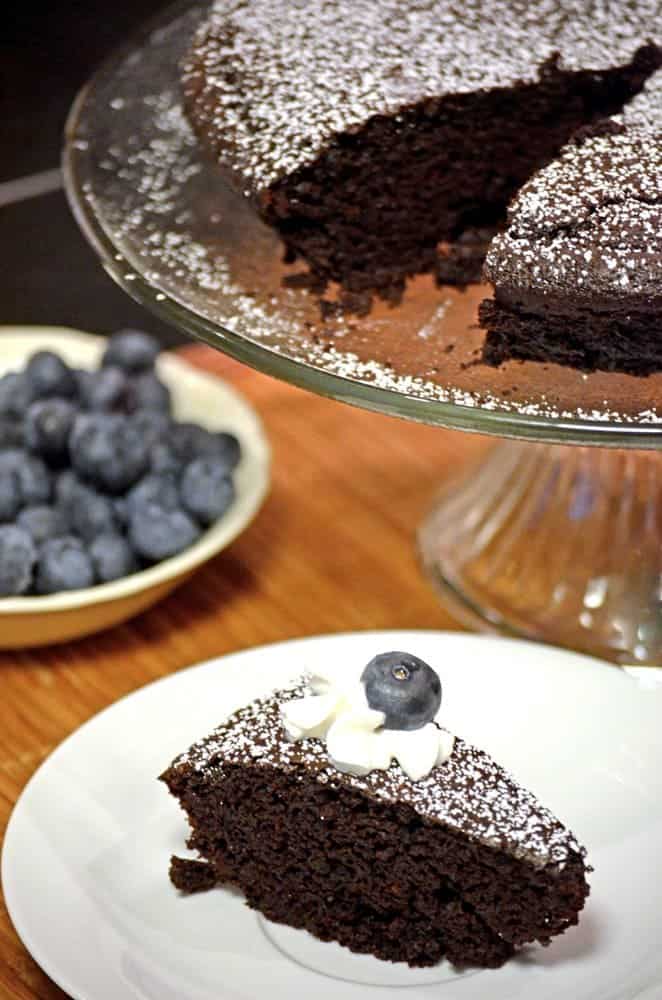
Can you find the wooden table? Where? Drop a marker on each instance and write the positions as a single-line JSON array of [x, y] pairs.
[[332, 550]]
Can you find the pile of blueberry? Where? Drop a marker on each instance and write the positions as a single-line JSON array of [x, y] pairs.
[[97, 480]]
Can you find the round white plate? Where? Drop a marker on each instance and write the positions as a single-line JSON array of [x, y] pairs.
[[86, 853]]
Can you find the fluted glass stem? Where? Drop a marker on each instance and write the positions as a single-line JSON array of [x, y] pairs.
[[555, 543]]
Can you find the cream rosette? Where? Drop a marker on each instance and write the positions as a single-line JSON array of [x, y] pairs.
[[337, 711]]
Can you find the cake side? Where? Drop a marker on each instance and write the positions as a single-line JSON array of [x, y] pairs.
[[578, 272], [331, 862], [628, 344], [465, 839], [382, 140]]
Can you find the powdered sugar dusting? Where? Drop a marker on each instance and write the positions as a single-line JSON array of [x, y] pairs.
[[470, 793], [644, 111], [278, 80], [591, 220]]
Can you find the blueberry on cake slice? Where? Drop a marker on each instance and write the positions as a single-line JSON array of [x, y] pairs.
[[577, 274], [340, 805]]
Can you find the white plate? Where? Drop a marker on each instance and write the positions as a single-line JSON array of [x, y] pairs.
[[86, 854]]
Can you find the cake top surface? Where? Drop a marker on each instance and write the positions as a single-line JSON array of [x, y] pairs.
[[280, 79], [590, 223], [469, 792]]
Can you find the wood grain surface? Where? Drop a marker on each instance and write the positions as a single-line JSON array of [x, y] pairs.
[[332, 550]]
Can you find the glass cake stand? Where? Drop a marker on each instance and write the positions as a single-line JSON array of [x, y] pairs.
[[546, 537]]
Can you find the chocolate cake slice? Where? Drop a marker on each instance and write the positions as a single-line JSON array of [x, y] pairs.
[[577, 274], [461, 863], [385, 138]]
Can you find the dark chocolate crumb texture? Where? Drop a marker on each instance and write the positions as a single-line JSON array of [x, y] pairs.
[[462, 863], [578, 272], [385, 138]]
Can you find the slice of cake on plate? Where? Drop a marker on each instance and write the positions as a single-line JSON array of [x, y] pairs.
[[341, 806]]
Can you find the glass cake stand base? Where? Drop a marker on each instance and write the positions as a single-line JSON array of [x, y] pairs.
[[559, 544]]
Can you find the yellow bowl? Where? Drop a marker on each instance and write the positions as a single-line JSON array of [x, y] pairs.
[[198, 397]]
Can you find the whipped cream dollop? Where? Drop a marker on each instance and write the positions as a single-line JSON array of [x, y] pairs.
[[337, 711]]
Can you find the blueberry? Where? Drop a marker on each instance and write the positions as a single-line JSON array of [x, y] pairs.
[[229, 448], [33, 477], [206, 489], [160, 489], [36, 482], [16, 394], [50, 376], [132, 350], [404, 688], [12, 434], [91, 514], [67, 484], [121, 509], [82, 377], [104, 391], [17, 557], [43, 522], [162, 458], [48, 423], [152, 424], [157, 534], [108, 450], [63, 565], [183, 438], [147, 392], [10, 495], [190, 441], [112, 558], [11, 459]]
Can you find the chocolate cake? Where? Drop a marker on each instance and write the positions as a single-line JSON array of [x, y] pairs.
[[385, 138], [330, 834], [577, 274]]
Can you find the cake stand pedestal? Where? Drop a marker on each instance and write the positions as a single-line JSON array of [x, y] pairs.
[[554, 543], [556, 540]]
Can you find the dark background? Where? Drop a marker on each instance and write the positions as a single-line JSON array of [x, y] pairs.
[[48, 274]]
